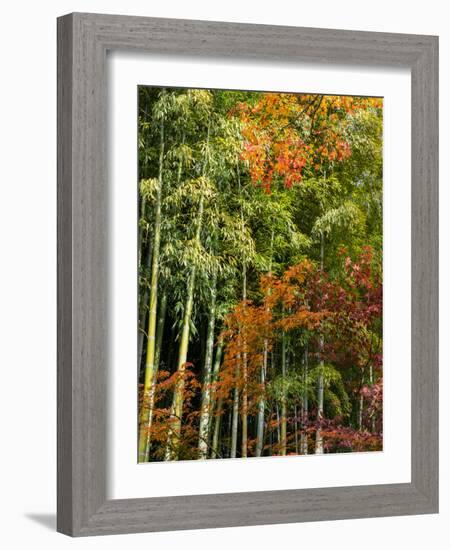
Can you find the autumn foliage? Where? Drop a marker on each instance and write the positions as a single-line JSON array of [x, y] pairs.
[[260, 274], [288, 134], [303, 301]]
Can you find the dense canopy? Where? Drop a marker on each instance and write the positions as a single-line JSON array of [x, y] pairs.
[[260, 274]]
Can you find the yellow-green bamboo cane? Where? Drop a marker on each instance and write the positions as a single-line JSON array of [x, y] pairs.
[[203, 443], [144, 427], [176, 412], [158, 342]]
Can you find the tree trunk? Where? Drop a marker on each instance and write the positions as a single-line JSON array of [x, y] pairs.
[[361, 404], [244, 367], [144, 426], [278, 426], [162, 314], [229, 430], [234, 426], [205, 414], [176, 412], [304, 435], [261, 403], [215, 376], [159, 336], [244, 343], [217, 425], [372, 416], [320, 391], [143, 215], [143, 310], [244, 408], [320, 388], [283, 396], [296, 430], [160, 328], [143, 302], [261, 406]]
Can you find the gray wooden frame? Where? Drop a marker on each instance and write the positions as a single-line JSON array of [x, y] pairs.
[[83, 40]]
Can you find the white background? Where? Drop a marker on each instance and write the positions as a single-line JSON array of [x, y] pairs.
[[127, 479], [28, 271]]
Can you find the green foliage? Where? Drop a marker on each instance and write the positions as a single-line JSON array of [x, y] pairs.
[[222, 232]]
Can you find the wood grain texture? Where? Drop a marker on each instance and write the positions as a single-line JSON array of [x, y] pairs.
[[64, 252], [83, 40], [425, 266]]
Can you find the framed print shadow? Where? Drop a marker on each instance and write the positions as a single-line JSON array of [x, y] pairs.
[[257, 261]]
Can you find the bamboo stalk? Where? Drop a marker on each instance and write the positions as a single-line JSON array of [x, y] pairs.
[[206, 389], [144, 429]]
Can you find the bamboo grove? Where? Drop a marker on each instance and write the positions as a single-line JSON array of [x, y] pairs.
[[260, 274]]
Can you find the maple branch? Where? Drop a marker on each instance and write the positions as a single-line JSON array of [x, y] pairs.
[[299, 116], [314, 114]]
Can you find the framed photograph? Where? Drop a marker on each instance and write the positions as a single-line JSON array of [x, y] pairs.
[[247, 274]]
